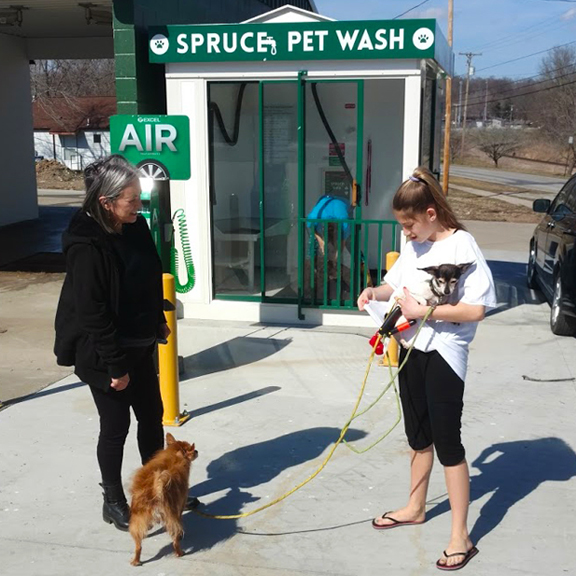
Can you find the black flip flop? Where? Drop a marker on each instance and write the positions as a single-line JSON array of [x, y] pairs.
[[395, 523], [467, 557]]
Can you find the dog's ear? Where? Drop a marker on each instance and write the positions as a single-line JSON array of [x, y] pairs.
[[170, 439], [430, 269], [464, 267]]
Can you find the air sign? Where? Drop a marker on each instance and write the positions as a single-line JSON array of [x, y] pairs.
[[295, 41], [159, 145]]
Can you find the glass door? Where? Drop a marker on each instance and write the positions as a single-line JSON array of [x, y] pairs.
[[234, 120], [332, 182], [279, 185], [283, 155]]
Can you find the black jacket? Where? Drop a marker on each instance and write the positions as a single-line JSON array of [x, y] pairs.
[[89, 312]]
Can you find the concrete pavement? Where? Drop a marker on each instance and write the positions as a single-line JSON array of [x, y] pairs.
[[267, 402]]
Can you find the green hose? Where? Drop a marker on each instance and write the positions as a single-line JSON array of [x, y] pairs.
[[180, 218]]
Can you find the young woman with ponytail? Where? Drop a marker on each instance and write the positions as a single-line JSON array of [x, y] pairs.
[[432, 381]]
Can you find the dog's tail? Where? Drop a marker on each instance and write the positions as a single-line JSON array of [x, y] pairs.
[[162, 484]]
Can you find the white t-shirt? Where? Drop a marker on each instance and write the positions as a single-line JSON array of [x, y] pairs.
[[476, 286]]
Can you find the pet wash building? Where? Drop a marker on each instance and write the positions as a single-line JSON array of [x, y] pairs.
[[285, 139]]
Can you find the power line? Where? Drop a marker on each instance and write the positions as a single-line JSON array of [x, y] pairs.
[[500, 94], [507, 42], [413, 8], [522, 32], [534, 91], [525, 78], [529, 55]]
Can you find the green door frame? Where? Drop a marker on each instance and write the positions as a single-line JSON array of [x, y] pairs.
[[354, 253], [301, 104]]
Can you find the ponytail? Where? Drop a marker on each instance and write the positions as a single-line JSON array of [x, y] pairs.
[[422, 191]]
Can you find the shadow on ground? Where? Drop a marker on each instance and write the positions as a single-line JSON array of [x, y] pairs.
[[511, 287], [233, 353], [238, 470], [510, 471], [36, 395]]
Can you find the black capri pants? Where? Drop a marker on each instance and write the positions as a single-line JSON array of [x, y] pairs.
[[431, 394], [142, 395]]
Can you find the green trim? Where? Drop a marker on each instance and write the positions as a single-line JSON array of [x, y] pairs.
[[360, 141], [301, 185], [261, 193]]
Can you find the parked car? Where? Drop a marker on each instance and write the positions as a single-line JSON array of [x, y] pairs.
[[552, 259]]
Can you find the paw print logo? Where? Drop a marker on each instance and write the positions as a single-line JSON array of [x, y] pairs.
[[423, 38], [159, 44]]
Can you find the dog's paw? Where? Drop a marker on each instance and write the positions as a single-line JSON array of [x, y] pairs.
[[135, 562]]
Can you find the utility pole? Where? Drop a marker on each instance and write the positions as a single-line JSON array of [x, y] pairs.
[[469, 56], [460, 105], [448, 115], [486, 106]]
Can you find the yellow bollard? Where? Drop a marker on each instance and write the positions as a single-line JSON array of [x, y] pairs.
[[391, 258], [168, 360]]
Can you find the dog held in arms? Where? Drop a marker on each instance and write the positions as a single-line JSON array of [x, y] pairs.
[[433, 289], [442, 282], [159, 494]]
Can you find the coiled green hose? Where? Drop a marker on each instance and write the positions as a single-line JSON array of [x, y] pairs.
[[180, 218]]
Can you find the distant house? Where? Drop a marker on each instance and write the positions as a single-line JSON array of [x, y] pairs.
[[74, 131]]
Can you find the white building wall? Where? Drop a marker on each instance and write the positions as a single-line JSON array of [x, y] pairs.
[[18, 199], [76, 152]]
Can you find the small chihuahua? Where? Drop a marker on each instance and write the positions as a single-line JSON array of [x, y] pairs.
[[429, 291], [159, 494], [442, 283]]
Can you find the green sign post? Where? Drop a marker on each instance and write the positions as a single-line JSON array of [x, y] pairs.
[[357, 40], [158, 145]]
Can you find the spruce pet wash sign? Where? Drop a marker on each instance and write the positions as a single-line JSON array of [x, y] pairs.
[[372, 39]]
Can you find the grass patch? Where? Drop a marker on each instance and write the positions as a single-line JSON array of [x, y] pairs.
[[472, 207]]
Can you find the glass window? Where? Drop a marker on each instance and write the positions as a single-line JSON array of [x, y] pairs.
[[97, 138], [235, 187], [563, 204]]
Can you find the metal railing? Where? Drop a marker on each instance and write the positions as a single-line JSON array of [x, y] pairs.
[[342, 257]]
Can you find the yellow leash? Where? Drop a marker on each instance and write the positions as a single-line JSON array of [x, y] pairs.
[[342, 433]]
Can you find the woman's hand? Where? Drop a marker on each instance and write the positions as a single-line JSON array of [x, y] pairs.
[[365, 297], [120, 383], [164, 331], [411, 310]]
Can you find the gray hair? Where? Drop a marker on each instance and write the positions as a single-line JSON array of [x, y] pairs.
[[106, 178]]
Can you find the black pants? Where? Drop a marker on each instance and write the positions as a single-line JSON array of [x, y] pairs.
[[143, 396], [431, 394]]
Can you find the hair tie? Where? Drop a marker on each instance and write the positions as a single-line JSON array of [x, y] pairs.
[[415, 179]]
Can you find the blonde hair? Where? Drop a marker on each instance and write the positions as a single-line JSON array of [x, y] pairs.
[[422, 191]]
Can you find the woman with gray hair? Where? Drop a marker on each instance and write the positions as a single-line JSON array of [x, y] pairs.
[[110, 316]]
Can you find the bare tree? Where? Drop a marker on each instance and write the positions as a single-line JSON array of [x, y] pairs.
[[496, 143], [554, 106], [72, 78]]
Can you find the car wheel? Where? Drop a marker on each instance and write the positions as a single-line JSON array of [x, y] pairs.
[[561, 324], [531, 269]]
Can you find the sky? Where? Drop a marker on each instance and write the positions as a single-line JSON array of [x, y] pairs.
[[501, 30]]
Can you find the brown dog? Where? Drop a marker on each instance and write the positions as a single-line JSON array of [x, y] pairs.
[[159, 494]]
